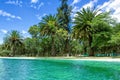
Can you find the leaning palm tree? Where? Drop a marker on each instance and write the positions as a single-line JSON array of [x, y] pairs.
[[14, 40], [84, 25], [48, 27]]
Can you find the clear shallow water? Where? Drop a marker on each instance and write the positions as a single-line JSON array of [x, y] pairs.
[[47, 69]]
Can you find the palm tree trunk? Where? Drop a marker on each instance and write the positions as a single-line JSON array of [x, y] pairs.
[[66, 49], [84, 43], [91, 52], [85, 48], [13, 51], [53, 46]]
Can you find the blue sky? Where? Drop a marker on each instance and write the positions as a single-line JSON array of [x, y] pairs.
[[21, 14]]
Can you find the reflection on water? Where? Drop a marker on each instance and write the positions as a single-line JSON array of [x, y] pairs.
[[45, 69]]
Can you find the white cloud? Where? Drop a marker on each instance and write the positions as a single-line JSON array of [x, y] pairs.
[[17, 2], [24, 32], [90, 4], [32, 6], [112, 5], [37, 6], [27, 36], [39, 16], [18, 17], [75, 2], [8, 15], [4, 31], [40, 5], [75, 8], [34, 1]]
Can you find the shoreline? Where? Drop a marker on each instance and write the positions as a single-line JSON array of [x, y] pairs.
[[111, 59]]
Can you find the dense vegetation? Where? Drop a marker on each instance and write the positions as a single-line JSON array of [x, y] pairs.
[[91, 33]]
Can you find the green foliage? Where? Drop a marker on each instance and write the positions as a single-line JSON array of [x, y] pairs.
[[102, 35], [116, 28], [0, 48], [34, 31], [76, 47], [5, 53], [88, 22], [115, 39], [14, 41], [48, 25]]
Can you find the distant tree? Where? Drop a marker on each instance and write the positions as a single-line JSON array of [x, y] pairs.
[[116, 28], [14, 40], [101, 36], [34, 31], [114, 42]]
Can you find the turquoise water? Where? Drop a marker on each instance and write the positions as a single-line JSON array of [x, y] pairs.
[[48, 69]]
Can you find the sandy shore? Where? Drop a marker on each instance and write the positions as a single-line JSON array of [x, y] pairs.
[[69, 58]]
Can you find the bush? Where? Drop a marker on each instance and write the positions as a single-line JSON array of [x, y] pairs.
[[5, 53]]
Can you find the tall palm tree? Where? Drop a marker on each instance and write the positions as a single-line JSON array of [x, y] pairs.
[[84, 25], [14, 40], [48, 27]]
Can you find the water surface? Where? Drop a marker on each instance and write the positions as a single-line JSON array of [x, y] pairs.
[[48, 69]]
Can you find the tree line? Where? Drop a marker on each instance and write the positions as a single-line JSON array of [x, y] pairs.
[[90, 33]]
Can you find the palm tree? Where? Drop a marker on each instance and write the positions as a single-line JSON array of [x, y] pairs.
[[14, 40], [48, 27], [84, 25]]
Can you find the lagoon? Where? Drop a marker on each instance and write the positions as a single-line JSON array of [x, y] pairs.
[[58, 69]]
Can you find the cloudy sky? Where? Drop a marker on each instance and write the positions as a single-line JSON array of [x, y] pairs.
[[21, 14]]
